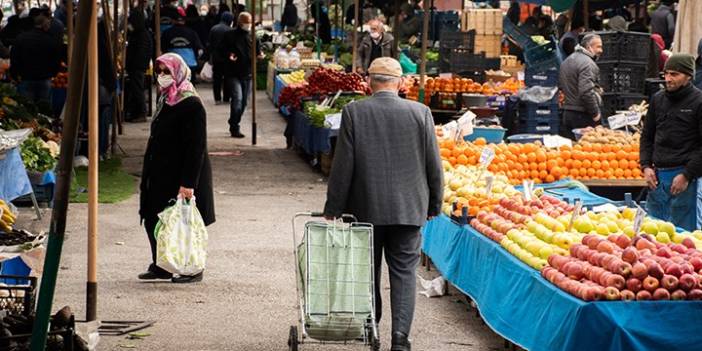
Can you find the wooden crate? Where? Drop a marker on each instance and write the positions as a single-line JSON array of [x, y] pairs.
[[484, 21], [491, 44]]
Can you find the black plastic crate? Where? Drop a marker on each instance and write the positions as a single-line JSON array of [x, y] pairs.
[[537, 75], [625, 46], [545, 127], [545, 55], [529, 111], [622, 77], [619, 102], [44, 194], [17, 295], [458, 40]]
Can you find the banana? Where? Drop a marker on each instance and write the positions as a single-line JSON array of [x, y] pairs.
[[8, 218], [5, 227]]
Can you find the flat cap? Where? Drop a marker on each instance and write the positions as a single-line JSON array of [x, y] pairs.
[[386, 66]]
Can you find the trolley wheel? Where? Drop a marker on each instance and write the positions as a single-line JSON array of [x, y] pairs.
[[375, 344], [293, 340]]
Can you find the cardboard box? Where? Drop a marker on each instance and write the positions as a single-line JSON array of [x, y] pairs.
[[483, 21], [490, 44]]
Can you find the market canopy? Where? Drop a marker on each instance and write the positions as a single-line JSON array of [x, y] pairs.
[[564, 5]]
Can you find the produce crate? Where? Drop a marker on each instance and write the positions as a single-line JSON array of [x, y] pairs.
[[491, 135], [44, 194], [458, 40], [17, 295], [516, 35], [545, 55], [483, 21], [537, 75], [490, 44], [625, 46], [465, 63], [622, 77], [614, 102], [530, 111], [549, 126]]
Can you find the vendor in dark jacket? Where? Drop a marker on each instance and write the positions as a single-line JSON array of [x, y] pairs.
[[36, 58], [376, 44], [176, 162], [671, 156], [139, 48], [218, 59], [183, 41]]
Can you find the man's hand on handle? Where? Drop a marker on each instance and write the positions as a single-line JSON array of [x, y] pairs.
[[650, 177]]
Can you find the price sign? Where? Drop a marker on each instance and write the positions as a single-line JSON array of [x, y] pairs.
[[556, 141], [576, 214], [450, 130], [638, 219], [489, 180], [526, 185], [465, 124], [333, 121], [486, 156], [624, 119]]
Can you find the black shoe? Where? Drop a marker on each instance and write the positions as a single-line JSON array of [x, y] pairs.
[[400, 342], [150, 275], [237, 135], [182, 279]]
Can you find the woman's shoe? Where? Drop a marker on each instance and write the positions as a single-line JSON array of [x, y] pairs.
[[150, 275], [182, 279]]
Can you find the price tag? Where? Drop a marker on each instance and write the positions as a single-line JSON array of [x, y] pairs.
[[556, 141], [465, 124], [489, 180], [576, 214], [333, 121], [526, 185], [486, 156], [450, 130], [638, 219], [445, 75], [624, 119], [520, 75]]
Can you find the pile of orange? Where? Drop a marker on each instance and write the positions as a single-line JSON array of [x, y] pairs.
[[463, 85], [534, 161]]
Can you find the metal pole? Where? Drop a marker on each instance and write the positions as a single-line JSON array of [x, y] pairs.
[[586, 13], [69, 19], [57, 230], [354, 45], [395, 26], [93, 158], [316, 25], [116, 112], [254, 58], [157, 25], [423, 52], [260, 13]]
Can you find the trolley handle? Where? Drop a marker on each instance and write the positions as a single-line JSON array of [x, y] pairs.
[[346, 217]]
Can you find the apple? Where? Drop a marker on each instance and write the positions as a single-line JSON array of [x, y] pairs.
[[592, 293], [661, 294], [669, 282], [631, 255], [687, 242], [674, 270], [643, 295], [664, 252], [633, 284], [655, 270], [687, 282], [696, 263], [650, 284], [612, 293], [639, 271], [605, 246], [627, 295], [694, 294], [616, 280], [678, 295], [679, 248], [623, 241], [677, 259], [607, 260], [645, 253], [644, 243], [574, 270], [620, 267]]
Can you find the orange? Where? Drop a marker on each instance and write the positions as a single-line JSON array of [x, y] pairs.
[[606, 148], [574, 172], [541, 166], [586, 147], [599, 174], [605, 164], [522, 158], [596, 148], [587, 164], [452, 160], [560, 162], [596, 164], [621, 154], [480, 141], [628, 174], [524, 174], [609, 174], [533, 166], [551, 164], [591, 172], [537, 181], [578, 147], [611, 156], [492, 167], [583, 172], [550, 179], [531, 157], [540, 156], [566, 155], [445, 153], [556, 172], [518, 166], [473, 160], [636, 173], [577, 155], [569, 164], [628, 148], [457, 151], [618, 173], [623, 164], [577, 164], [462, 160], [534, 174], [543, 174], [633, 156]]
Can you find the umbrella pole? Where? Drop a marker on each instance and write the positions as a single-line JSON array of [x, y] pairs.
[[354, 45], [254, 58], [423, 53], [93, 158]]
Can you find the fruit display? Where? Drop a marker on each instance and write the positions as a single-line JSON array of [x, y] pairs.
[[517, 162], [461, 85], [602, 135], [292, 95], [7, 217], [60, 81], [322, 81], [295, 77], [466, 186], [620, 268]]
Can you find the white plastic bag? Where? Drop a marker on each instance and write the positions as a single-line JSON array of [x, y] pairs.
[[206, 73], [181, 239]]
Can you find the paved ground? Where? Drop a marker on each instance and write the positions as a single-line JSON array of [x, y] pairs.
[[247, 299]]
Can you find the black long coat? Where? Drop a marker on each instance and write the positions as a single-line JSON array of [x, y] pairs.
[[176, 155]]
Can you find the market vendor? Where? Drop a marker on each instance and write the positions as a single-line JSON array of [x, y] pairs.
[[579, 81], [409, 24], [671, 158], [374, 45]]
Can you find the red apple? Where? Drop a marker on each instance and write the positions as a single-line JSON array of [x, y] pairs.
[[643, 243], [687, 242], [687, 268], [574, 270], [678, 295], [664, 252], [607, 260], [633, 284], [605, 246], [696, 263], [661, 294], [592, 293], [655, 270], [639, 271], [630, 255], [650, 284], [643, 295], [674, 270], [677, 259], [679, 248], [594, 259], [623, 241], [620, 267], [616, 280], [669, 282], [687, 282], [645, 253], [694, 294], [612, 293], [593, 242], [627, 295]]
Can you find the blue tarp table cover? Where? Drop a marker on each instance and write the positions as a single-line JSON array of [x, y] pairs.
[[278, 86], [587, 198], [312, 139], [14, 181], [521, 306]]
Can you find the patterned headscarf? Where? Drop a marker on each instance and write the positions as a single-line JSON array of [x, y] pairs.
[[181, 88]]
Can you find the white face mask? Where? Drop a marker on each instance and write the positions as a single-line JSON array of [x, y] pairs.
[[375, 35], [246, 27], [165, 80]]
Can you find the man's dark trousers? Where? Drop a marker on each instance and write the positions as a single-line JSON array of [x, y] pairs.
[[400, 244], [240, 92]]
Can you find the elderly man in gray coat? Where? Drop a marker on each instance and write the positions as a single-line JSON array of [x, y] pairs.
[[387, 171]]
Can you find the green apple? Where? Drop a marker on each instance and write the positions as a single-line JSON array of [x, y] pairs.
[[663, 238], [649, 227], [602, 229], [629, 231], [583, 224], [546, 251], [666, 227], [629, 213], [697, 234]]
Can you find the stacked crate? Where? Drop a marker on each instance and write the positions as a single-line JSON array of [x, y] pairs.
[[487, 24], [538, 118], [623, 66]]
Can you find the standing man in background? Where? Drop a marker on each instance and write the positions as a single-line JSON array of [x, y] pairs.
[[139, 49], [663, 22], [387, 172], [237, 50], [218, 59], [374, 45]]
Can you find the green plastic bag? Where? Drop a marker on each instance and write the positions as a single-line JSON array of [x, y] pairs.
[[408, 67], [181, 239]]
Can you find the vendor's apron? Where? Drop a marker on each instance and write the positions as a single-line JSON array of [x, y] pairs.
[[681, 210]]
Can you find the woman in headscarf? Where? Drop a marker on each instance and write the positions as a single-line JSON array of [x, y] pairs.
[[176, 163]]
